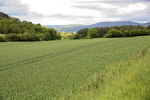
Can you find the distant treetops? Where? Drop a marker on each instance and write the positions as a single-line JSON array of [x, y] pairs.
[[116, 31], [12, 29], [15, 30]]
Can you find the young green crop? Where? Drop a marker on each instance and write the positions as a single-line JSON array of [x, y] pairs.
[[48, 70], [125, 80]]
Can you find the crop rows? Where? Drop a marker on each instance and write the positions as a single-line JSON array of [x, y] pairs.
[[48, 70]]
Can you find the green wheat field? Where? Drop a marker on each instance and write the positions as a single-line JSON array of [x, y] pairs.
[[88, 69]]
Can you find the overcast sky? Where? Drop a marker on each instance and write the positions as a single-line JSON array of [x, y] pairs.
[[61, 12]]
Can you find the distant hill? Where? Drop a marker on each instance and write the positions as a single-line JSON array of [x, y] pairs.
[[75, 28], [67, 28], [146, 24]]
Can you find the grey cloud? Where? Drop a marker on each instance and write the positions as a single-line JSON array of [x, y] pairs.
[[113, 1], [123, 1], [89, 7], [68, 16], [11, 10], [143, 15], [112, 12], [13, 7]]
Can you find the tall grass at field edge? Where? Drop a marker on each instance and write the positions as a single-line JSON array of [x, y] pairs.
[[129, 80]]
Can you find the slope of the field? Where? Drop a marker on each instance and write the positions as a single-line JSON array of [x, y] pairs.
[[125, 80], [47, 70]]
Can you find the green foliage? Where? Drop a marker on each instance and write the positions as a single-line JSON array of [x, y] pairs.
[[48, 70], [68, 35], [58, 36], [15, 26], [113, 33], [22, 37], [127, 33], [31, 37], [104, 30], [148, 27], [92, 33], [3, 15], [2, 39], [83, 32], [13, 37], [76, 36], [42, 37], [48, 36]]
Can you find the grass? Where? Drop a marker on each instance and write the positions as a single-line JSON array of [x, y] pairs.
[[128, 80], [48, 70], [2, 35]]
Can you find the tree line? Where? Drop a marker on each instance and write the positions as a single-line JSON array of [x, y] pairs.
[[115, 31], [15, 30]]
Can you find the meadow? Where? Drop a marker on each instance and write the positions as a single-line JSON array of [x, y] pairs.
[[51, 70]]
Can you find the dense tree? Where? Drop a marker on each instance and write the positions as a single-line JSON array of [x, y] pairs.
[[76, 36], [148, 27], [127, 33], [27, 31], [104, 30], [92, 33], [83, 32], [2, 39], [114, 33]]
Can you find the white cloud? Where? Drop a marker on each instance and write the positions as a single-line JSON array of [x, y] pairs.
[[64, 7], [132, 8], [59, 12]]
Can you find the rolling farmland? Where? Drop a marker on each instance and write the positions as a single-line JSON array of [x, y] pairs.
[[48, 70]]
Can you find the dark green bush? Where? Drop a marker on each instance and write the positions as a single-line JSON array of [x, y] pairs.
[[2, 39], [58, 36], [76, 36], [22, 37], [148, 32], [92, 33], [42, 37], [148, 27], [13, 37], [31, 37], [113, 33], [127, 33], [145, 32], [134, 33], [48, 36]]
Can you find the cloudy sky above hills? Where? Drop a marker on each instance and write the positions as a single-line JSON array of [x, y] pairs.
[[60, 12]]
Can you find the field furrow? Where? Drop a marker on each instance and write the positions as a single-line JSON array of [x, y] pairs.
[[48, 70]]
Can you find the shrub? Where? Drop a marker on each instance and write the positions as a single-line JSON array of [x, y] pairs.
[[48, 36], [32, 37], [148, 32], [113, 33], [76, 36], [13, 37], [92, 33], [148, 27], [83, 33], [126, 33], [133, 33], [22, 37], [42, 37], [58, 36], [2, 39]]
